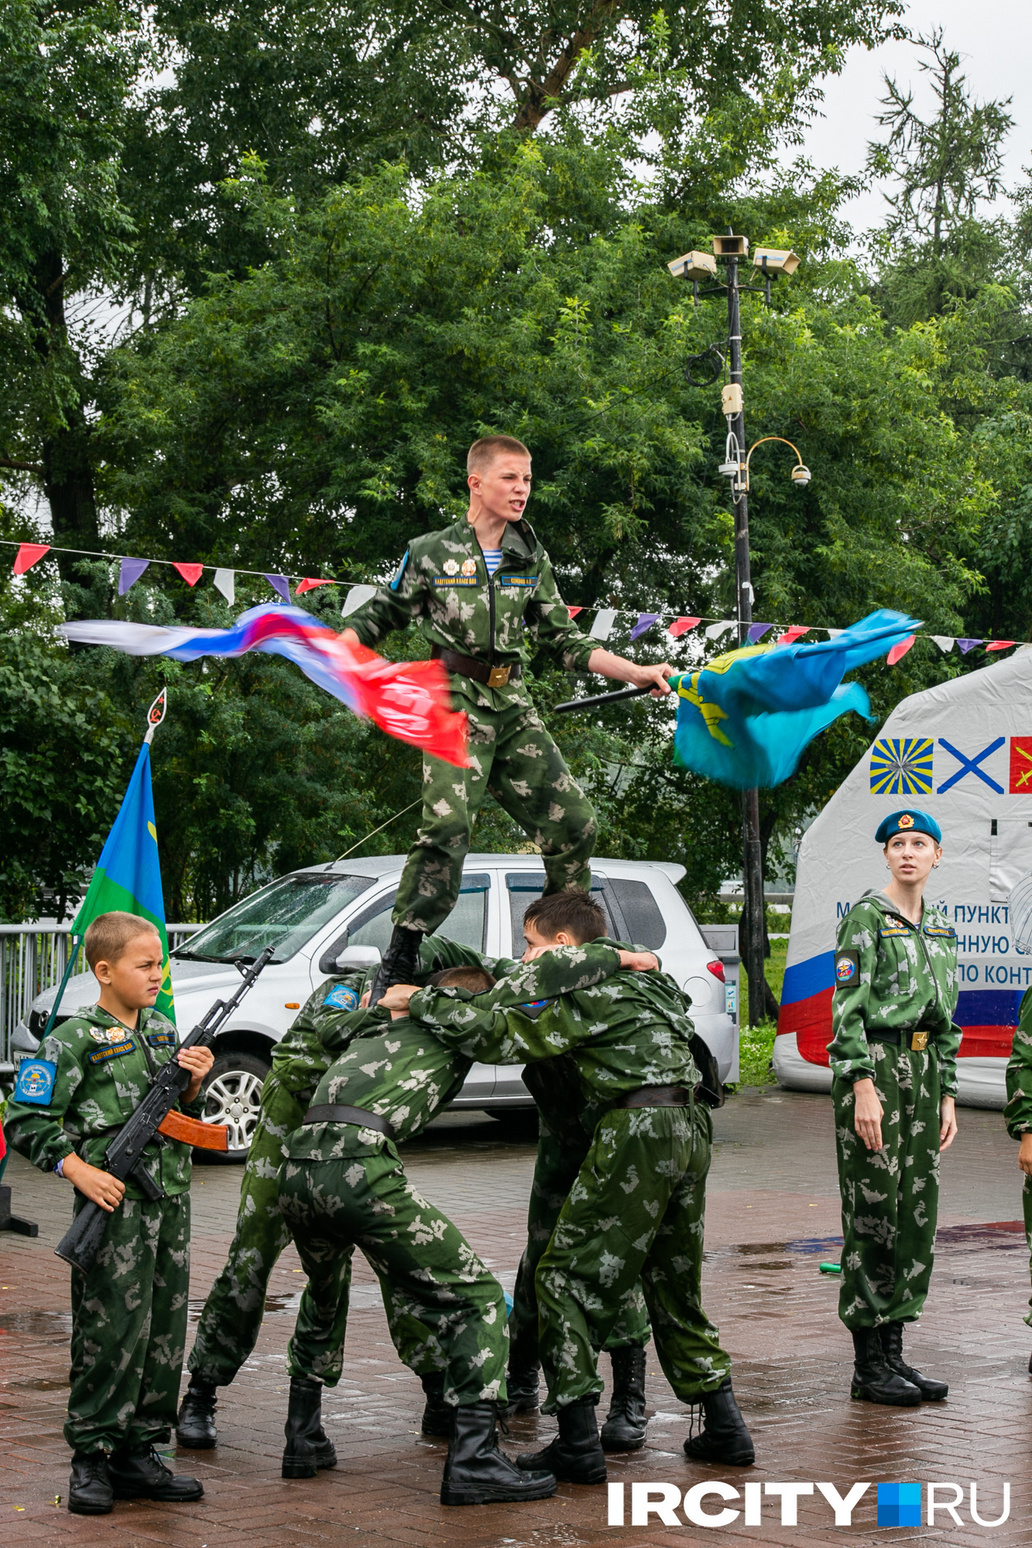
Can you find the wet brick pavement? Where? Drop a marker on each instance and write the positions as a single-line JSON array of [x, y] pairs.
[[773, 1217]]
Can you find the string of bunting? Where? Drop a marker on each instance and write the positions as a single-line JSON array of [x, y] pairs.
[[224, 580]]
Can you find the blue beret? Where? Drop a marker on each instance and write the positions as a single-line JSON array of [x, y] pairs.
[[911, 821]]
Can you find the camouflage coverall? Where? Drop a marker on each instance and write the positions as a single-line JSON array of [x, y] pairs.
[[232, 1315], [443, 581], [1018, 1112], [636, 1209], [891, 979], [344, 1186], [129, 1310]]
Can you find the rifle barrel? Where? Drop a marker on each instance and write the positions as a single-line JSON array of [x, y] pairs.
[[603, 698]]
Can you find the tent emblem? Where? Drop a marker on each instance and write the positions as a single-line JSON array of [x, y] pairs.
[[903, 766], [970, 765], [1021, 765]]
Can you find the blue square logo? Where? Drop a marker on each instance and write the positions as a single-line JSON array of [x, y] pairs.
[[899, 1504]]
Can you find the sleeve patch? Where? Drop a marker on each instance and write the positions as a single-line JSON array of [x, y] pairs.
[[162, 1039], [396, 582], [847, 968], [342, 998], [35, 1083]]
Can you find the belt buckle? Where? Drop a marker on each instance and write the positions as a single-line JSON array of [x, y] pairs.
[[498, 677], [918, 1041]]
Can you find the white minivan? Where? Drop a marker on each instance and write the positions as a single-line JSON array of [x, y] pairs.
[[312, 916]]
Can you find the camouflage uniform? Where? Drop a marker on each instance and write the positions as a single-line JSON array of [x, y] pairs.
[[896, 979], [443, 581], [232, 1315], [636, 1209], [1018, 1112], [129, 1310], [344, 1186]]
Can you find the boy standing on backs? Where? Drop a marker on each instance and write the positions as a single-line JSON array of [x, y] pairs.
[[484, 590], [129, 1310]]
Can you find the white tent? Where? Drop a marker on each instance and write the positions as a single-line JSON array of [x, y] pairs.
[[963, 753]]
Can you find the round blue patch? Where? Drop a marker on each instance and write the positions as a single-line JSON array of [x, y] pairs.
[[35, 1081], [342, 998], [845, 969]]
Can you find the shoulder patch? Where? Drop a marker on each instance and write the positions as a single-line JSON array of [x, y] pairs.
[[35, 1082], [533, 1008], [396, 582], [114, 1051], [162, 1039], [847, 968], [341, 997]]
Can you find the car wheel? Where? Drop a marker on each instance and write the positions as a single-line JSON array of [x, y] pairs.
[[232, 1095]]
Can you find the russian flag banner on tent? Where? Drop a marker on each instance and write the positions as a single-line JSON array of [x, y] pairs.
[[410, 700]]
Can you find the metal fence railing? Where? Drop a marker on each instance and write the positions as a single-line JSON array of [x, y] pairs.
[[33, 958]]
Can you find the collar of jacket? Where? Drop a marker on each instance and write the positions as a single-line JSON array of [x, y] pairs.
[[519, 540], [884, 905]]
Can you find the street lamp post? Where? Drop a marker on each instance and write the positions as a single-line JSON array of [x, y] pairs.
[[697, 267]]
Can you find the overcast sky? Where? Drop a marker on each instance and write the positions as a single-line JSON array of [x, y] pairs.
[[994, 38]]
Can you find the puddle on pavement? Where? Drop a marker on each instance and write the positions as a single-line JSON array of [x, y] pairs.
[[36, 1384], [997, 1235], [53, 1324]]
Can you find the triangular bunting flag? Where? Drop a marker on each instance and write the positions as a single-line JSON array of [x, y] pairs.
[[357, 597], [899, 651], [833, 634], [279, 585], [716, 631], [945, 642], [792, 634], [602, 628], [965, 645], [29, 554], [573, 611], [1000, 644], [191, 573], [225, 581], [757, 631], [308, 584], [129, 573], [645, 621], [681, 626]]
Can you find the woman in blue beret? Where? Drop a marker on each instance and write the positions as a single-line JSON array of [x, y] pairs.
[[894, 1068]]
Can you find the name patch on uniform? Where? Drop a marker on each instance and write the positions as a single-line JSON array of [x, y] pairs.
[[948, 931], [534, 1008], [116, 1050], [456, 580], [342, 998], [35, 1081], [847, 968], [162, 1039], [895, 930], [518, 580]]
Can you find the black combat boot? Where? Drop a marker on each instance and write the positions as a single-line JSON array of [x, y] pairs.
[[437, 1415], [892, 1347], [399, 964], [521, 1384], [477, 1473], [89, 1488], [576, 1455], [725, 1438], [624, 1429], [308, 1446], [138, 1473], [873, 1381], [195, 1426]]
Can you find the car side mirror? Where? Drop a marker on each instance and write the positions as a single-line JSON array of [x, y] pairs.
[[358, 957]]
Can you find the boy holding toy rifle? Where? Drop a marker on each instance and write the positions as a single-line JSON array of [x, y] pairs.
[[129, 1309]]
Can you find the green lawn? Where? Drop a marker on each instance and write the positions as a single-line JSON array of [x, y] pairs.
[[756, 1044]]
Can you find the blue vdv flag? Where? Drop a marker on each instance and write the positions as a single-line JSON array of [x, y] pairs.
[[746, 718]]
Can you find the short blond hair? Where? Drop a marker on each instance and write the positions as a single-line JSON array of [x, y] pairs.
[[483, 452], [108, 936]]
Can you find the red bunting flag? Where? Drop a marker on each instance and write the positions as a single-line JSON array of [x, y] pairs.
[[899, 651], [573, 611], [681, 626], [308, 584], [792, 634], [191, 573], [1000, 644], [28, 554]]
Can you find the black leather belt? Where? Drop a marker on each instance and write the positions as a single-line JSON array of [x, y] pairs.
[[657, 1096], [916, 1041], [479, 671], [332, 1113]]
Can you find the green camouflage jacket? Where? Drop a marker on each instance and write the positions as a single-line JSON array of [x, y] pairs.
[[400, 1070], [891, 976], [92, 1074], [1018, 1112], [629, 1031], [443, 582]]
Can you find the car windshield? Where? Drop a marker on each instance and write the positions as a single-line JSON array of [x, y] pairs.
[[285, 915]]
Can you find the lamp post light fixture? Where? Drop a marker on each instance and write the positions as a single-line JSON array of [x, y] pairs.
[[729, 250]]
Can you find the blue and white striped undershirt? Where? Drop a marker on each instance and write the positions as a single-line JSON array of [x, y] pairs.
[[492, 559]]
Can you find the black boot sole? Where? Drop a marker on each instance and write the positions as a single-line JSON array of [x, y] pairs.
[[437, 1431], [90, 1510], [594, 1475], [472, 1496], [862, 1395], [158, 1496], [621, 1443], [298, 1467], [743, 1457], [192, 1443]]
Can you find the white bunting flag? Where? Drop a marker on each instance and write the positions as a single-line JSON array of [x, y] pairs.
[[357, 597], [225, 581], [945, 642], [718, 630], [602, 628]]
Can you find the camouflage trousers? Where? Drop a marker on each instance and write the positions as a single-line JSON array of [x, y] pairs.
[[559, 1159], [513, 758], [890, 1197], [129, 1328], [635, 1212], [1026, 1205], [439, 1297]]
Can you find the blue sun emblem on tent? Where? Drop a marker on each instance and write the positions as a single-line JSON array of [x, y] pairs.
[[902, 766]]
